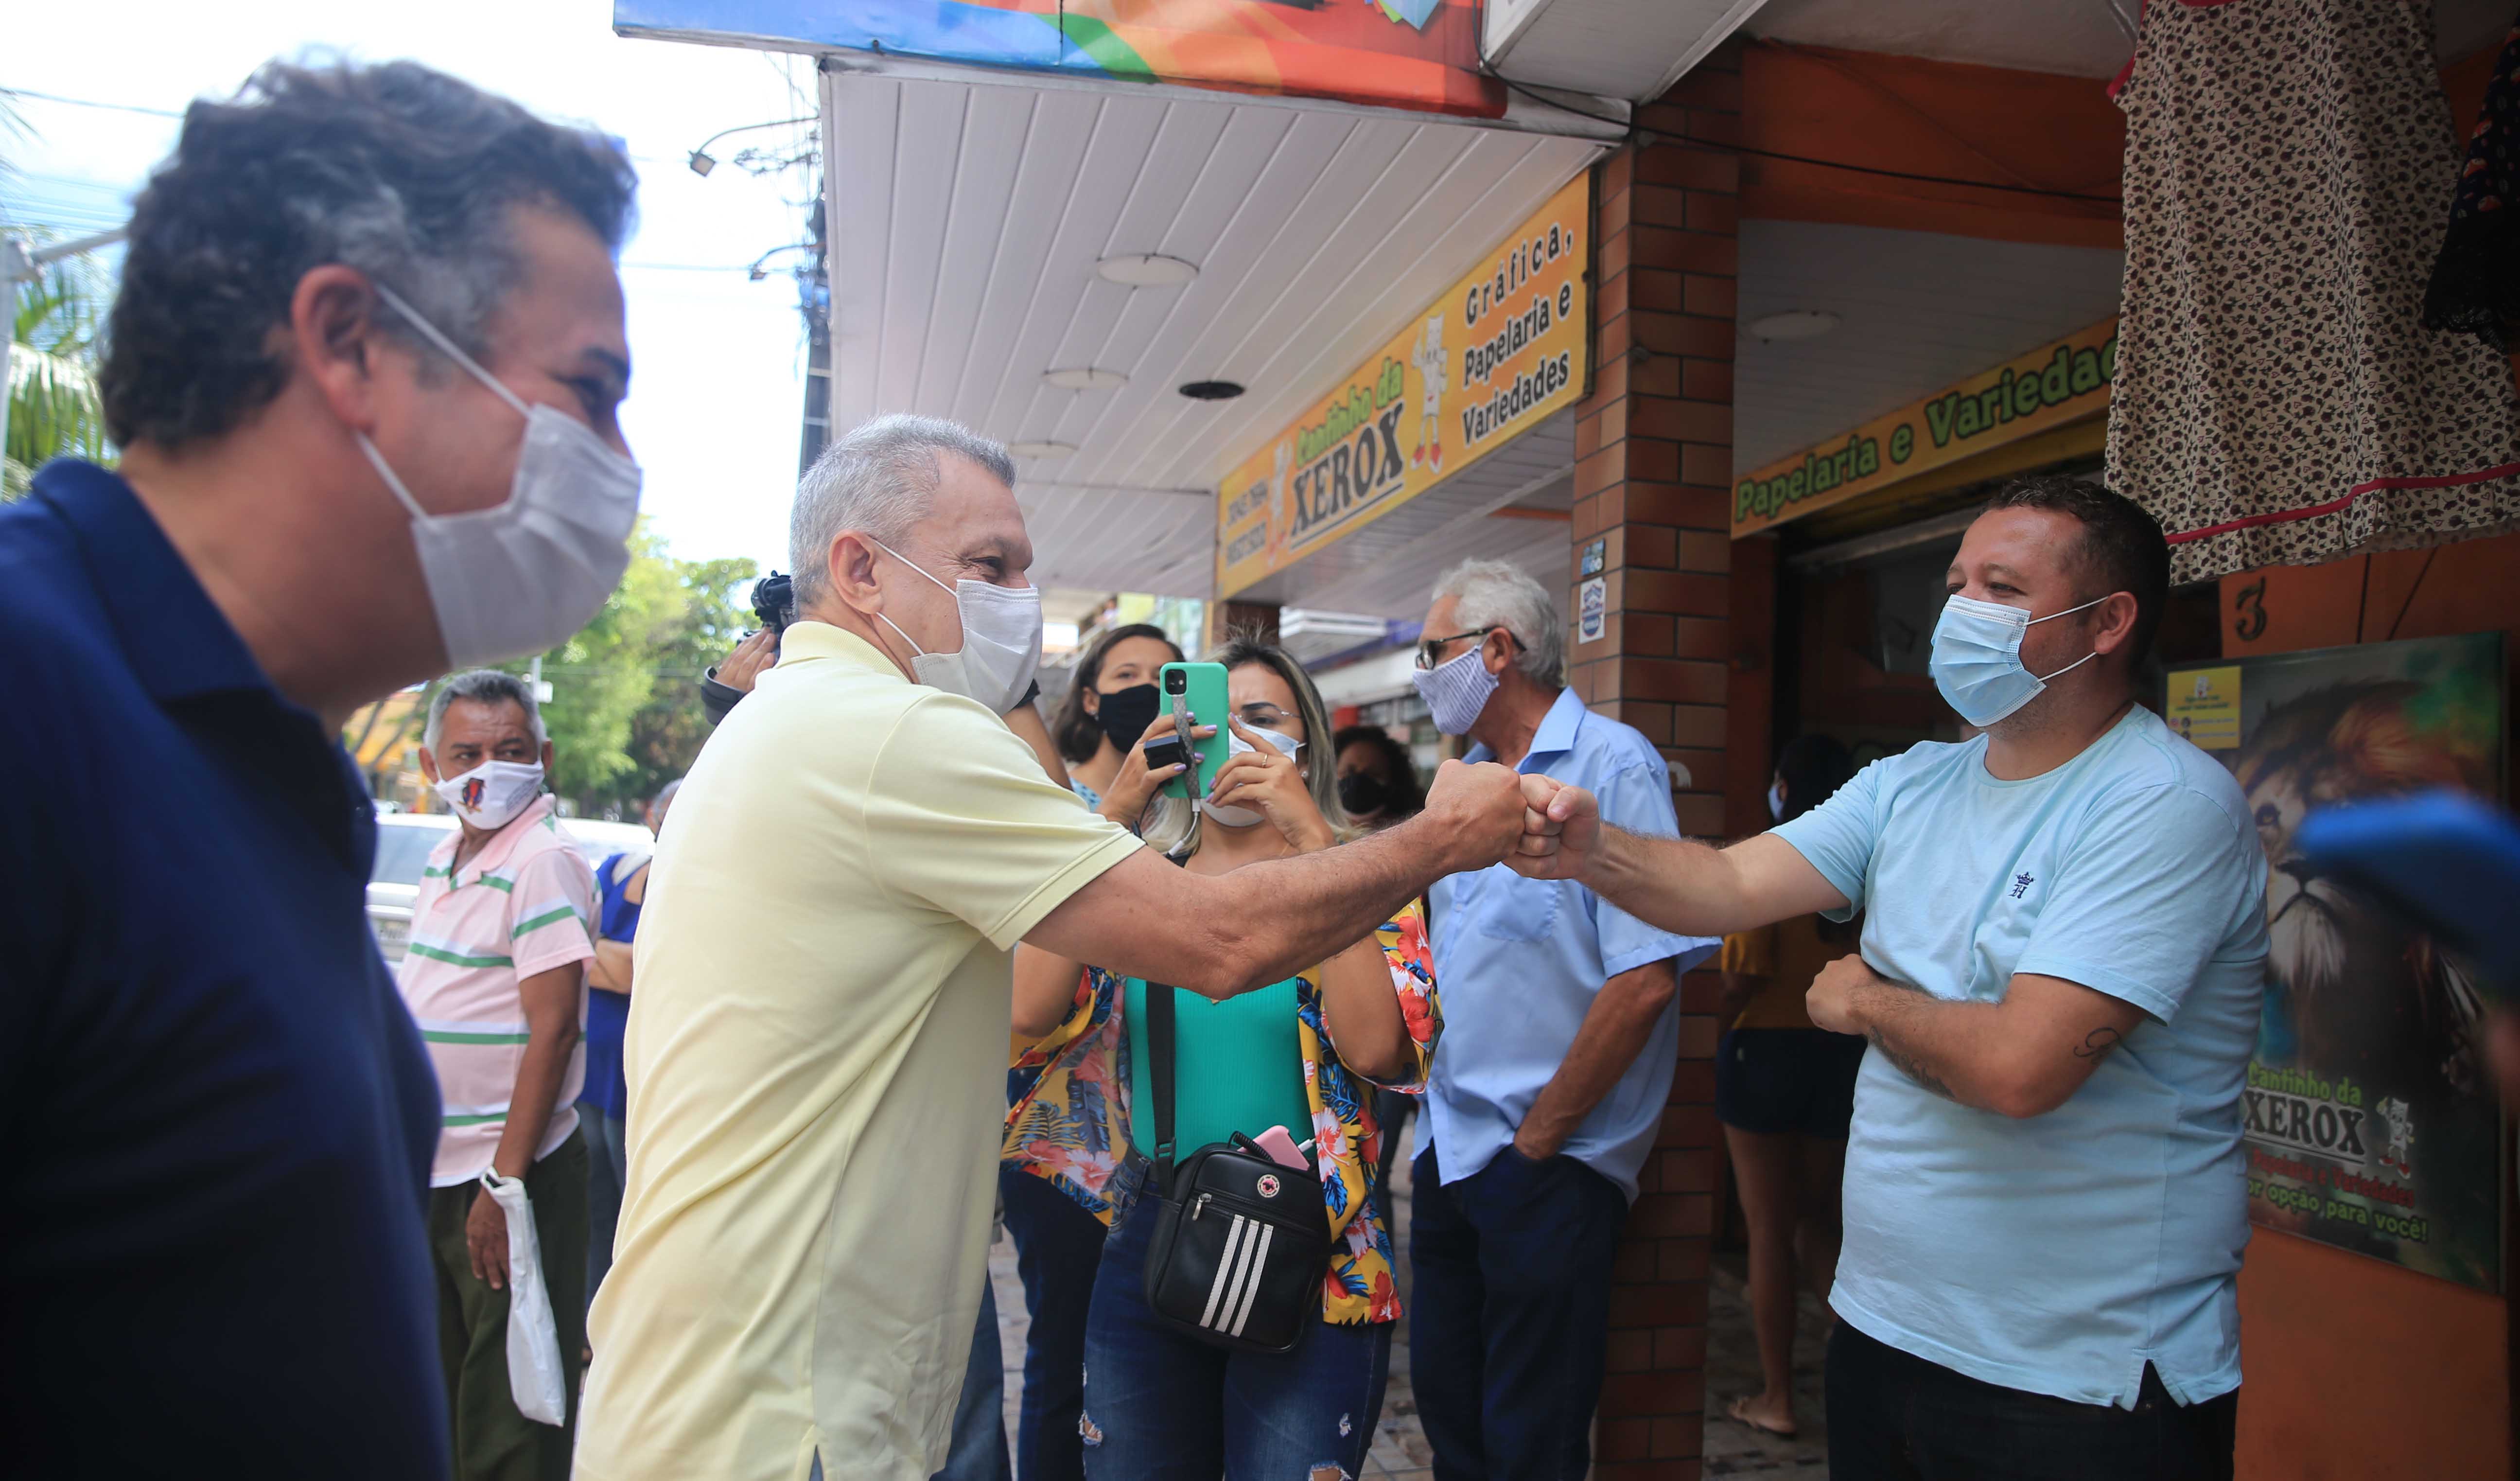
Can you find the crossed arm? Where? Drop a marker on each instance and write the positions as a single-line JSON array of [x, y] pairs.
[[2023, 1054]]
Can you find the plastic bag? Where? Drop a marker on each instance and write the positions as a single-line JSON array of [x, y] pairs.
[[535, 1375]]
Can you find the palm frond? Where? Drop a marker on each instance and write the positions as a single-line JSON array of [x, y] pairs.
[[56, 406]]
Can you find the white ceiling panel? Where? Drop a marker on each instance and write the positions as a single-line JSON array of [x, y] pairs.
[[1917, 310], [967, 219]]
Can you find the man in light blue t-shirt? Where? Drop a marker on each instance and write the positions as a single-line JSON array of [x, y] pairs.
[[2064, 937]]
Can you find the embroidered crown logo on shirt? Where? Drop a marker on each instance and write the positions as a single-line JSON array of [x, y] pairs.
[[2020, 884]]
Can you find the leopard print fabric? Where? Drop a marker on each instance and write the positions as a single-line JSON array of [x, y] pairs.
[[2277, 399]]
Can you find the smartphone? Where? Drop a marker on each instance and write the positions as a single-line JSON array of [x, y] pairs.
[[1193, 694]]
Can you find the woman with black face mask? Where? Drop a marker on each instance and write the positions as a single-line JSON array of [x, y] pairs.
[[1376, 779], [1112, 704]]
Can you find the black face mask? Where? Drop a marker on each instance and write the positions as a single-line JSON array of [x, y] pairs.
[[1363, 794], [1126, 713]]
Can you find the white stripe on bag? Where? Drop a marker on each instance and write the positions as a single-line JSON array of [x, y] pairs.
[[1223, 1266], [1259, 1267]]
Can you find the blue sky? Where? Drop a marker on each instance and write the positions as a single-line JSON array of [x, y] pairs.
[[718, 388]]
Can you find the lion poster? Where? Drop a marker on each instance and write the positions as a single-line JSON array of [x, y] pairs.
[[2370, 1119]]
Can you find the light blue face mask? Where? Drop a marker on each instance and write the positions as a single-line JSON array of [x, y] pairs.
[[1977, 657], [1457, 689]]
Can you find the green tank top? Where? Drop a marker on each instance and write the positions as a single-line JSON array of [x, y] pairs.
[[1237, 1066]]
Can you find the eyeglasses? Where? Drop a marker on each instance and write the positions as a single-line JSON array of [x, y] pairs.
[[1428, 648]]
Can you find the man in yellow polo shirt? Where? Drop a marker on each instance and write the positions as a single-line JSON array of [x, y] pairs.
[[816, 1052]]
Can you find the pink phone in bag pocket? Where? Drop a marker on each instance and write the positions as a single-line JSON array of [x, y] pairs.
[[1281, 1149]]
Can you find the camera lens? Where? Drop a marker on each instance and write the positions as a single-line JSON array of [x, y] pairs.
[[1176, 683]]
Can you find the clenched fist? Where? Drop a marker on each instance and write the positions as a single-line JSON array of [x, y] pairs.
[[1561, 827], [1832, 999], [1475, 812]]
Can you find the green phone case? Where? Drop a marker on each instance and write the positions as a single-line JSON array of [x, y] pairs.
[[1206, 696]]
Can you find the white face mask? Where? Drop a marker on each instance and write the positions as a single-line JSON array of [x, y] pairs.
[[490, 795], [520, 577], [1457, 689], [1243, 817], [1001, 641]]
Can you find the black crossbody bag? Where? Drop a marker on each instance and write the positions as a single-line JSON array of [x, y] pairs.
[[1241, 1241]]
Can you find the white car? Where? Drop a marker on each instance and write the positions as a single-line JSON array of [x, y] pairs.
[[405, 841]]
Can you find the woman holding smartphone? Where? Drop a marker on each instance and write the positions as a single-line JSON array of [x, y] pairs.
[[1304, 1053], [1108, 708]]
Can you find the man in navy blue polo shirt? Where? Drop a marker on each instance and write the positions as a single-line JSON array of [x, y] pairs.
[[358, 300]]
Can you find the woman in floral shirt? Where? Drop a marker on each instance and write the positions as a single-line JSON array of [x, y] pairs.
[[1304, 1053]]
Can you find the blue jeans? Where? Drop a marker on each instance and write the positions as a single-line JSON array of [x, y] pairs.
[[1163, 1407], [608, 1172], [1509, 1314], [1058, 1247], [979, 1447]]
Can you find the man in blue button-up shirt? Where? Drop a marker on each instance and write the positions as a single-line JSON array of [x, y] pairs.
[[1562, 1031], [219, 1114]]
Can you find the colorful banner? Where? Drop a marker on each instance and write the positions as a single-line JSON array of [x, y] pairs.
[[2368, 1116], [2051, 385], [1500, 351], [1415, 54]]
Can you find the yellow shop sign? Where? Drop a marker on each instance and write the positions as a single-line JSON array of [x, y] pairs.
[[2050, 386], [1500, 351]]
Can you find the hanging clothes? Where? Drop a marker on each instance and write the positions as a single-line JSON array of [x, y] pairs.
[[2476, 278], [2277, 397]]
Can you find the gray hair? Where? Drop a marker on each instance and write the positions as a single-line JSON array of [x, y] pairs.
[[408, 175], [1501, 593], [482, 686], [880, 480]]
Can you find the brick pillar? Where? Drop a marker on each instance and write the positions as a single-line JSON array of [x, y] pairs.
[[1653, 450]]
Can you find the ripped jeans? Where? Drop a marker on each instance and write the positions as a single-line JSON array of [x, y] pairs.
[[1163, 1407]]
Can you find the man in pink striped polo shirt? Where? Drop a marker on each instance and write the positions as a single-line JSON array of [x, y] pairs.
[[495, 975]]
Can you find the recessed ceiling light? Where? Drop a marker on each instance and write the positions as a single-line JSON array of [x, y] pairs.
[[1793, 324], [1211, 390], [1146, 270], [1079, 378], [1041, 449]]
